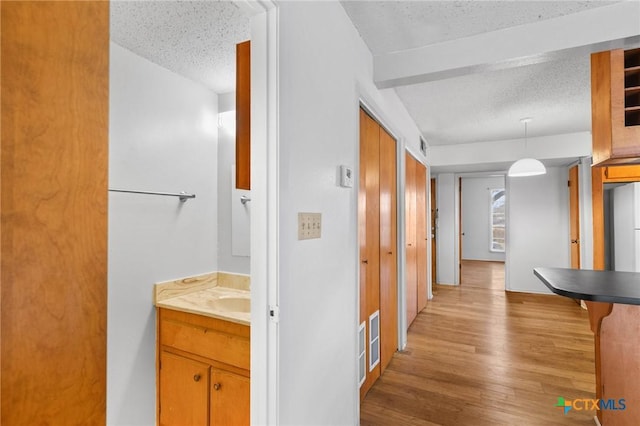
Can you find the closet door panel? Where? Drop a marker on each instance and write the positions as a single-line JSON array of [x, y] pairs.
[[388, 249], [370, 246], [421, 234], [411, 252]]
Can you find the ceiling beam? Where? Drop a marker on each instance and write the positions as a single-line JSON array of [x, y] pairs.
[[593, 30]]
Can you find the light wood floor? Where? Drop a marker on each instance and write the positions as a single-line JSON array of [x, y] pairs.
[[480, 356]]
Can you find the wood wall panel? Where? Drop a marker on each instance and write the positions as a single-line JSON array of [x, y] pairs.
[[411, 271], [53, 280], [388, 250]]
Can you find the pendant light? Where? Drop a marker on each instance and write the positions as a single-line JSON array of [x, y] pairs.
[[526, 166]]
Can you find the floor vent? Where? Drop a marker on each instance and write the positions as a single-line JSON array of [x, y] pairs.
[[374, 340], [362, 358]]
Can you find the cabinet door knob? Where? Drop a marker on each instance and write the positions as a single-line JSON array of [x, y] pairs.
[[365, 261], [217, 386], [196, 377]]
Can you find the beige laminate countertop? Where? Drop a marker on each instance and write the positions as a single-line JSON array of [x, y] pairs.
[[203, 295]]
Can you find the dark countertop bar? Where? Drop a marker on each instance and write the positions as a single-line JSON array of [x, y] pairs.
[[594, 286]]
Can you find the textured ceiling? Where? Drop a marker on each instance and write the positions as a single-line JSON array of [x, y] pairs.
[[193, 38], [488, 105], [388, 26]]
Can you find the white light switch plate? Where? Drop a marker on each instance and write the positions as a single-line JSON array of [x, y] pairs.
[[309, 225]]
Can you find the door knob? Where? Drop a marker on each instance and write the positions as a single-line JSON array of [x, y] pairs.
[[365, 261], [575, 241], [196, 377], [217, 386]]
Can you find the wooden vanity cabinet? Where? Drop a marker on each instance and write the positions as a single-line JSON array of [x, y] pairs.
[[202, 370], [615, 107]]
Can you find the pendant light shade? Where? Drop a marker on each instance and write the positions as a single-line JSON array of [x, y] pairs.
[[526, 166]]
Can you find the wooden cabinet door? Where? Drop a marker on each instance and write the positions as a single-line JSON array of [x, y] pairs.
[[230, 398], [184, 391]]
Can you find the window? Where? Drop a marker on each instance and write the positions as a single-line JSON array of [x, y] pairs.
[[496, 219]]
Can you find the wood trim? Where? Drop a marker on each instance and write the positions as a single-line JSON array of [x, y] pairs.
[[630, 173], [55, 88], [243, 115]]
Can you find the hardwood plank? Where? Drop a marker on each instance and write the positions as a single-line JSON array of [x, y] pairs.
[[478, 355]]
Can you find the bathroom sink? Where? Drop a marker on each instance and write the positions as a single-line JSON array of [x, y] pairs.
[[231, 304]]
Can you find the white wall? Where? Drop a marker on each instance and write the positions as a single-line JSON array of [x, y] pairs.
[[625, 208], [226, 159], [163, 137], [476, 206], [446, 237], [537, 228], [324, 68]]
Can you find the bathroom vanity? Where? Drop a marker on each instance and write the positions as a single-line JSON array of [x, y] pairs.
[[203, 352]]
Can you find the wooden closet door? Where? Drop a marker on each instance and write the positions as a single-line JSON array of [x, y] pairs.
[[388, 250], [411, 245], [55, 105], [421, 234], [369, 216]]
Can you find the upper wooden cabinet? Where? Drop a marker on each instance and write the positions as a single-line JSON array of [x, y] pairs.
[[243, 115], [615, 107]]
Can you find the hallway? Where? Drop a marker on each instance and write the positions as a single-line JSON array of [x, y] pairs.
[[478, 355]]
